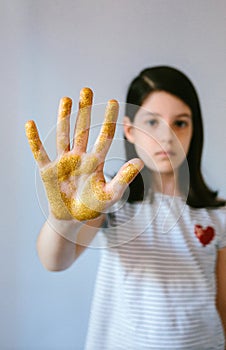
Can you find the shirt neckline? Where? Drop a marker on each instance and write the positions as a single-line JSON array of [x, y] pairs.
[[163, 196]]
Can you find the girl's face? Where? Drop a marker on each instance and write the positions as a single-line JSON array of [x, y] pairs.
[[161, 131]]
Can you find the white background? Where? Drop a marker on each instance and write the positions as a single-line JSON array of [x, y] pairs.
[[53, 48]]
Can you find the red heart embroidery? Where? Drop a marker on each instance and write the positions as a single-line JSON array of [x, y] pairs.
[[205, 235]]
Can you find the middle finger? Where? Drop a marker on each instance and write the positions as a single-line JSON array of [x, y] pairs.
[[81, 133]]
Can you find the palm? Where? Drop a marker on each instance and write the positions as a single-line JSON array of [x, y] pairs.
[[74, 182]]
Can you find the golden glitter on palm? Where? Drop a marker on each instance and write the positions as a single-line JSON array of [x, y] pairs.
[[74, 182]]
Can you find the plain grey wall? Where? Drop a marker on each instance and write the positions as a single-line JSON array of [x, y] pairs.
[[50, 49]]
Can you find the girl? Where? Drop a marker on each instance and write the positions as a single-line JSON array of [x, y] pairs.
[[161, 283]]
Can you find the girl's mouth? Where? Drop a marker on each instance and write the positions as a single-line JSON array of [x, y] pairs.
[[165, 154]]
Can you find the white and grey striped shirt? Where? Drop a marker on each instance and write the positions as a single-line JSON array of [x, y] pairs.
[[156, 287]]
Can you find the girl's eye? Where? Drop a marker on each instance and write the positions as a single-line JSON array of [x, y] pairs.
[[181, 123], [152, 122]]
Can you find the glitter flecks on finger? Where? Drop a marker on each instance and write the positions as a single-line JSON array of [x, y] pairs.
[[128, 174], [109, 125]]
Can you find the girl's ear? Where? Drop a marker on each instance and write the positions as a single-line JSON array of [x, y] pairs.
[[128, 129]]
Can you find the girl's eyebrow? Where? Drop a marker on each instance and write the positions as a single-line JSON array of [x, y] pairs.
[[153, 114]]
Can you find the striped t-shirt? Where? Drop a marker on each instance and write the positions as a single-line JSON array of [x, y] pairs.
[[156, 287]]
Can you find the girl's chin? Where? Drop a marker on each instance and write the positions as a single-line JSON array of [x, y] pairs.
[[163, 169]]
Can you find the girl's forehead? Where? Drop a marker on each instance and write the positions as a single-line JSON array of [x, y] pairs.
[[162, 102]]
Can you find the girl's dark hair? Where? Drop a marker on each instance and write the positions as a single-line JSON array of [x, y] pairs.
[[163, 78]]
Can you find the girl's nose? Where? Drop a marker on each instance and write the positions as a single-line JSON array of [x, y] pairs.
[[165, 133]]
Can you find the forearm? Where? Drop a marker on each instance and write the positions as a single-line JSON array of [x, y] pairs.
[[55, 251], [221, 287], [222, 312], [223, 318], [58, 242]]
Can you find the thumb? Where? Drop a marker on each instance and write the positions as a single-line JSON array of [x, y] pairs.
[[124, 177]]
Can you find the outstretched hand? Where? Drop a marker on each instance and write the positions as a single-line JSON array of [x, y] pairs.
[[74, 182]]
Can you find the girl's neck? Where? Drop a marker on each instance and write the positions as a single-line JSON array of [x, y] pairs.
[[166, 183]]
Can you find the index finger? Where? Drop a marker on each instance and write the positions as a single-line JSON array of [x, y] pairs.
[[35, 143], [107, 131]]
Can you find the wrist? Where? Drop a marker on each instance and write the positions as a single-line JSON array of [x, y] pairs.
[[66, 228]]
